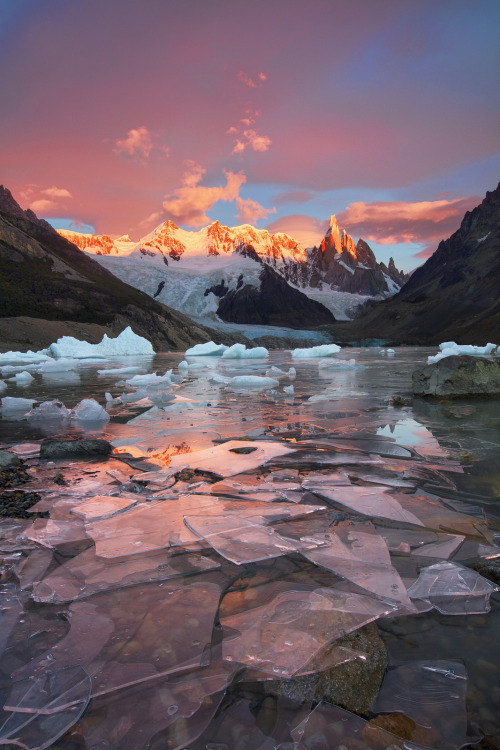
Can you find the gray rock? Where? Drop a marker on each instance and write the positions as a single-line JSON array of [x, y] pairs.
[[353, 685], [90, 449], [8, 460], [459, 377]]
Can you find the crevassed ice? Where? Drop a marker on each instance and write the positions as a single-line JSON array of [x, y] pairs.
[[450, 348], [324, 350]]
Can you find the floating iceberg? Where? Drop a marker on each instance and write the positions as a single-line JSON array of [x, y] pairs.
[[125, 344], [210, 349], [255, 382], [323, 350], [16, 405], [239, 351], [449, 348], [337, 364], [150, 380], [23, 378], [3, 385], [88, 410], [22, 357], [59, 365], [49, 410]]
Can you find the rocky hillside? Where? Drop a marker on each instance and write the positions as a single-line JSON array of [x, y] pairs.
[[48, 287], [454, 295]]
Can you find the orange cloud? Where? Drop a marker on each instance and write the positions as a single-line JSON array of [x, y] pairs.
[[305, 229], [244, 78], [42, 200], [189, 203], [252, 140], [390, 223], [249, 211], [137, 145]]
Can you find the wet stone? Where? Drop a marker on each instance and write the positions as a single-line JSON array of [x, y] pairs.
[[8, 460], [489, 569], [89, 449], [353, 685]]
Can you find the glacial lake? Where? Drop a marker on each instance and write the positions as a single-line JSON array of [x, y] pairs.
[[169, 594]]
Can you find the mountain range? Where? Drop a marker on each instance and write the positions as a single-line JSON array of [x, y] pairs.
[[246, 275]]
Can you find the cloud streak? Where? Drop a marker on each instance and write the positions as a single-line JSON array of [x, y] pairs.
[[189, 203], [393, 222]]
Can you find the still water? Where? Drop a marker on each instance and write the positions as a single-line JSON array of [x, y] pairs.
[[233, 535]]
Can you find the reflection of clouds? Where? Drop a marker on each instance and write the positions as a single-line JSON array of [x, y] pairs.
[[411, 433]]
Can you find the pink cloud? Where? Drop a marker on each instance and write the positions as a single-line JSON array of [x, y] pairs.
[[42, 205], [137, 145], [43, 200], [55, 192], [305, 229], [293, 196], [390, 223], [249, 211], [189, 203], [244, 78]]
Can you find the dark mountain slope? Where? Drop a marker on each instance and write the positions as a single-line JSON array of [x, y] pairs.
[[45, 277], [455, 295]]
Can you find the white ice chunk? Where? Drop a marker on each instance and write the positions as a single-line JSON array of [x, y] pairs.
[[127, 343], [50, 410], [22, 357], [255, 382], [239, 351], [23, 378], [150, 380], [289, 389], [450, 348], [16, 405], [183, 365], [275, 372], [59, 365], [89, 410], [218, 379], [292, 372], [3, 385], [210, 349], [323, 350]]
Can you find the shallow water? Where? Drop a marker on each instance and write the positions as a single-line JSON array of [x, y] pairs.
[[158, 593]]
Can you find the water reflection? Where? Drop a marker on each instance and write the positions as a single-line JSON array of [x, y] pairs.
[[237, 537]]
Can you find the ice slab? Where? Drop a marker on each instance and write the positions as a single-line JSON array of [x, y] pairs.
[[450, 348], [357, 553], [33, 567], [323, 350], [157, 526], [253, 382], [103, 506], [59, 365], [233, 457], [87, 574], [127, 343], [239, 351], [10, 611], [134, 635], [368, 501], [442, 549], [49, 410], [184, 704], [240, 541], [3, 385], [234, 723], [210, 349], [150, 380], [453, 589], [432, 694], [22, 357], [16, 407], [50, 533], [43, 709], [23, 378], [282, 636]]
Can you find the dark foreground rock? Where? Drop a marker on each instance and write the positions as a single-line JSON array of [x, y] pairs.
[[459, 377], [8, 460], [354, 685], [87, 449], [16, 503]]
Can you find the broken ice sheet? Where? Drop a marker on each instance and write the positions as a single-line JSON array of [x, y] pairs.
[[369, 501], [86, 574], [51, 533], [10, 610], [442, 549], [44, 708], [432, 694], [136, 634], [358, 554], [282, 636], [235, 728], [232, 457], [453, 589], [240, 541], [128, 719], [33, 567], [103, 506], [152, 526]]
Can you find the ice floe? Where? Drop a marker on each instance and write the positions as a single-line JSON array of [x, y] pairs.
[[450, 348], [253, 382], [313, 352], [210, 349], [239, 351]]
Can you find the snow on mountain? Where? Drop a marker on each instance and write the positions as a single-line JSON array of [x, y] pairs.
[[192, 271]]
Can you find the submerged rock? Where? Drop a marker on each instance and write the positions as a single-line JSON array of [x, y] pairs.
[[353, 685], [8, 460], [53, 448], [458, 377]]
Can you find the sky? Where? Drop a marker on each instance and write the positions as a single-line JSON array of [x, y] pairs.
[[118, 115]]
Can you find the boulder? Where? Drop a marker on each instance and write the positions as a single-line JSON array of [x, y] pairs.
[[85, 449], [353, 685], [8, 460], [459, 377]]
